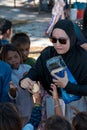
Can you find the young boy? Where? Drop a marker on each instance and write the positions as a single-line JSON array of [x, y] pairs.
[[5, 30], [22, 42]]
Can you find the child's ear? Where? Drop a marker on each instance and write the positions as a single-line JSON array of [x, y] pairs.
[[1, 36], [8, 32]]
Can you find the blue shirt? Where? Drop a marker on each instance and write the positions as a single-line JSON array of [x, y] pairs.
[[5, 78], [4, 41]]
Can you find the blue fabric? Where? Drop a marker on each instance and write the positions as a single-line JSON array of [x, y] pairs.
[[28, 127], [4, 41], [35, 116], [79, 5], [5, 78], [69, 97]]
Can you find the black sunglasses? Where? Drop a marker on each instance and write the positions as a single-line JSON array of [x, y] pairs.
[[61, 40]]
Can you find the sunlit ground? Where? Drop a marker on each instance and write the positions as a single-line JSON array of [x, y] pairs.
[[20, 2]]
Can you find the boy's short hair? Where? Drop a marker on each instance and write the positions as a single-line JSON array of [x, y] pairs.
[[20, 38], [4, 25]]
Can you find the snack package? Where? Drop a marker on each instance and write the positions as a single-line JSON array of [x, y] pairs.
[[35, 88], [56, 65]]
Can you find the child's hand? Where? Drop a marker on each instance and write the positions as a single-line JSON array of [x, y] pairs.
[[13, 89], [76, 110], [54, 92]]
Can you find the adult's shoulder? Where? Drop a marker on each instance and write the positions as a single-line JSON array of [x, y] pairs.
[[81, 50], [82, 53], [50, 51], [25, 67]]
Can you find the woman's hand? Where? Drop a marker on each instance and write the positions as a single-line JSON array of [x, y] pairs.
[[61, 82], [27, 84], [76, 110]]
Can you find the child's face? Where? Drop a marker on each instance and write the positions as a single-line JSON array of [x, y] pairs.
[[13, 58], [24, 48]]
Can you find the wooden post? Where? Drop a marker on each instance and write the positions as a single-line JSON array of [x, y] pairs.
[[70, 4], [40, 2], [14, 3]]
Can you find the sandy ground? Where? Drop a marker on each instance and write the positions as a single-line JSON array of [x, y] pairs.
[[27, 19]]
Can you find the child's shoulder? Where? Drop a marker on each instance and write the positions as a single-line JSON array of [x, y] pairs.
[[30, 61], [25, 66], [5, 68], [4, 65]]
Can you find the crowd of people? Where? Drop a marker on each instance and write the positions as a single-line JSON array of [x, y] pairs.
[[31, 96]]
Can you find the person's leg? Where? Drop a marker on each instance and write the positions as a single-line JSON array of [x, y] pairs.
[[50, 25]]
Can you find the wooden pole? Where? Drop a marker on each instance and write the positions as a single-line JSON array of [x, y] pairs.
[[14, 3], [69, 3], [39, 6]]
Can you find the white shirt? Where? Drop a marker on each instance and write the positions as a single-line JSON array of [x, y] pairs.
[[58, 7]]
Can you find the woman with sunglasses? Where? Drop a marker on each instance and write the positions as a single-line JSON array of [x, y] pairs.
[[64, 42]]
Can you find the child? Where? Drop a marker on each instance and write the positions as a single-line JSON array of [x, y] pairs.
[[5, 30], [22, 42], [79, 121], [12, 56], [5, 78], [56, 122], [10, 119], [59, 105], [57, 13], [66, 9]]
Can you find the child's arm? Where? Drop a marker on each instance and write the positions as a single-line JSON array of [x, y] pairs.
[[36, 112], [58, 110]]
